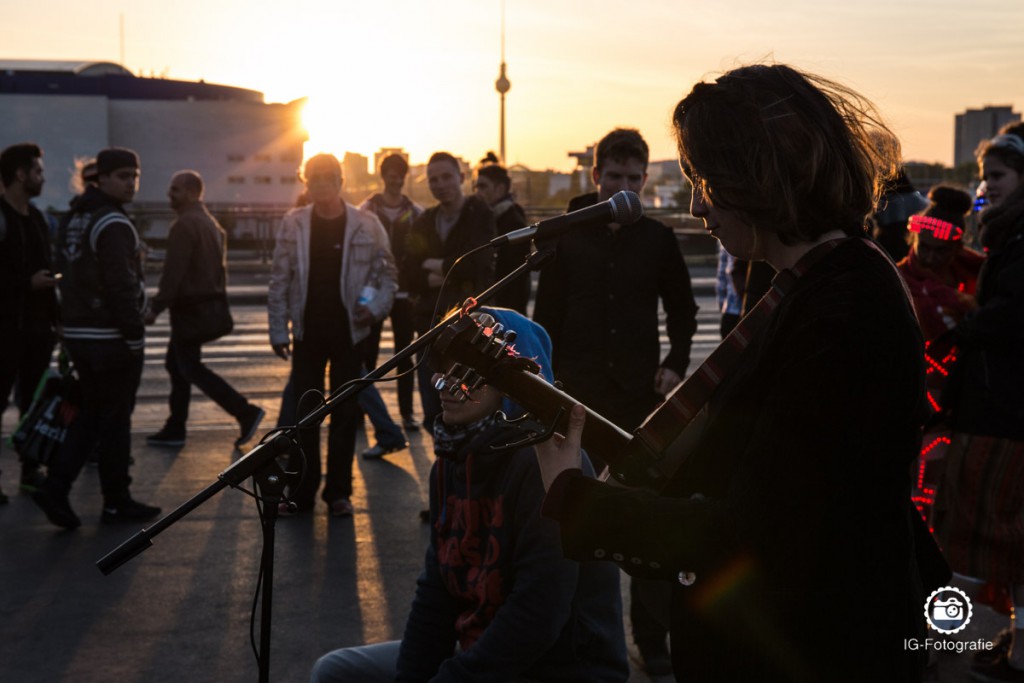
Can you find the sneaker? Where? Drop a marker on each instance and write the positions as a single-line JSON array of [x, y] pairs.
[[31, 477], [57, 508], [410, 424], [249, 423], [379, 451], [165, 438], [128, 510], [342, 508]]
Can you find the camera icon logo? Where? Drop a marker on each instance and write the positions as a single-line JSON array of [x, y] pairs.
[[948, 610]]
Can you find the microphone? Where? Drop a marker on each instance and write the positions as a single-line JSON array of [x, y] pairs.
[[623, 208]]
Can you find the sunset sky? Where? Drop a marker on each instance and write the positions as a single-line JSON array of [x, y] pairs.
[[420, 75]]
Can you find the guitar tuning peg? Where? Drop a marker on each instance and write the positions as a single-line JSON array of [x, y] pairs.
[[510, 336]]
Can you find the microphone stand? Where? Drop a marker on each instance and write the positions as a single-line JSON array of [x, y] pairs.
[[262, 462]]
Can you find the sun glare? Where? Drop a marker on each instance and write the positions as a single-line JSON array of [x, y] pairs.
[[325, 125]]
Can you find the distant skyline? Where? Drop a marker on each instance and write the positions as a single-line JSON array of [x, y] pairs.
[[421, 75]]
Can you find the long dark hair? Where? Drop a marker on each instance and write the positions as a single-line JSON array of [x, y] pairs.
[[793, 153]]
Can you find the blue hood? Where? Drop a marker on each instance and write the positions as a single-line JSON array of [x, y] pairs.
[[532, 341]]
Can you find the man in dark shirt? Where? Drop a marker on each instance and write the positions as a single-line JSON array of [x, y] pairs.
[[441, 235], [599, 301], [28, 306]]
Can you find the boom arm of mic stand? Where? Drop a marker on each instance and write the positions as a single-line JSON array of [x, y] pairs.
[[259, 457]]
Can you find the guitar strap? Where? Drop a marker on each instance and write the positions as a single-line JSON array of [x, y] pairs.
[[669, 433]]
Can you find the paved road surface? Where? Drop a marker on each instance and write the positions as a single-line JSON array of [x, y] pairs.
[[180, 610]]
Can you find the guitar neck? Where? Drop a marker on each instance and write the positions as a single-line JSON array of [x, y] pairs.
[[552, 405]]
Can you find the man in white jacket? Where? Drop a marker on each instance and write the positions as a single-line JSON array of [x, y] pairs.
[[333, 277]]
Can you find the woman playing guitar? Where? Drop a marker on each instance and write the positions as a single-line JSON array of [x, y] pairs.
[[786, 529]]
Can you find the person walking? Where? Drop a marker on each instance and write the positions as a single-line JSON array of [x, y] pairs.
[[195, 272]]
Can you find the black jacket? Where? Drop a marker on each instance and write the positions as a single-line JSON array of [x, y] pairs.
[[195, 267], [495, 582], [103, 294], [801, 541], [599, 302], [475, 227], [22, 253], [511, 216], [984, 393]]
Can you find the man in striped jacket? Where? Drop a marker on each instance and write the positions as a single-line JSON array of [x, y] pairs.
[[103, 300]]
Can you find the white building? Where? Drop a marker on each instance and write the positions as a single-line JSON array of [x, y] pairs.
[[247, 151]]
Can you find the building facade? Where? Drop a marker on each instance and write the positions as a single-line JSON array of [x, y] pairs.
[[975, 125], [247, 151]]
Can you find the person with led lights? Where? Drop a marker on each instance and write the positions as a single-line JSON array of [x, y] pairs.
[[980, 501], [787, 530], [940, 272]]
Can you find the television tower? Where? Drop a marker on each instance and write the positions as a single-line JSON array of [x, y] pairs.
[[502, 85]]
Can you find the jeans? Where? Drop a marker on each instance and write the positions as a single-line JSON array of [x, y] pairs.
[[367, 664], [24, 356], [404, 330], [185, 366], [310, 359], [386, 432], [377, 663], [109, 375]]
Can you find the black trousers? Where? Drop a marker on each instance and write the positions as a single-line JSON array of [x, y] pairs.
[[318, 349], [24, 356], [184, 363], [109, 374], [429, 398]]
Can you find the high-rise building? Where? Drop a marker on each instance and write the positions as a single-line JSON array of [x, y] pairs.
[[247, 151], [976, 125]]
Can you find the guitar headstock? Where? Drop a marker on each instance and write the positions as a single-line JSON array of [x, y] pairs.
[[473, 350]]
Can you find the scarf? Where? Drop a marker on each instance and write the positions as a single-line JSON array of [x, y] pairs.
[[450, 440]]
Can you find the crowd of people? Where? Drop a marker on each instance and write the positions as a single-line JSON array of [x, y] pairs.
[[871, 337]]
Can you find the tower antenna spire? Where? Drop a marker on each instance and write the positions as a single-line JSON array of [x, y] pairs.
[[502, 85]]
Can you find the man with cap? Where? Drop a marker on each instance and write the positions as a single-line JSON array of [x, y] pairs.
[[103, 299]]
